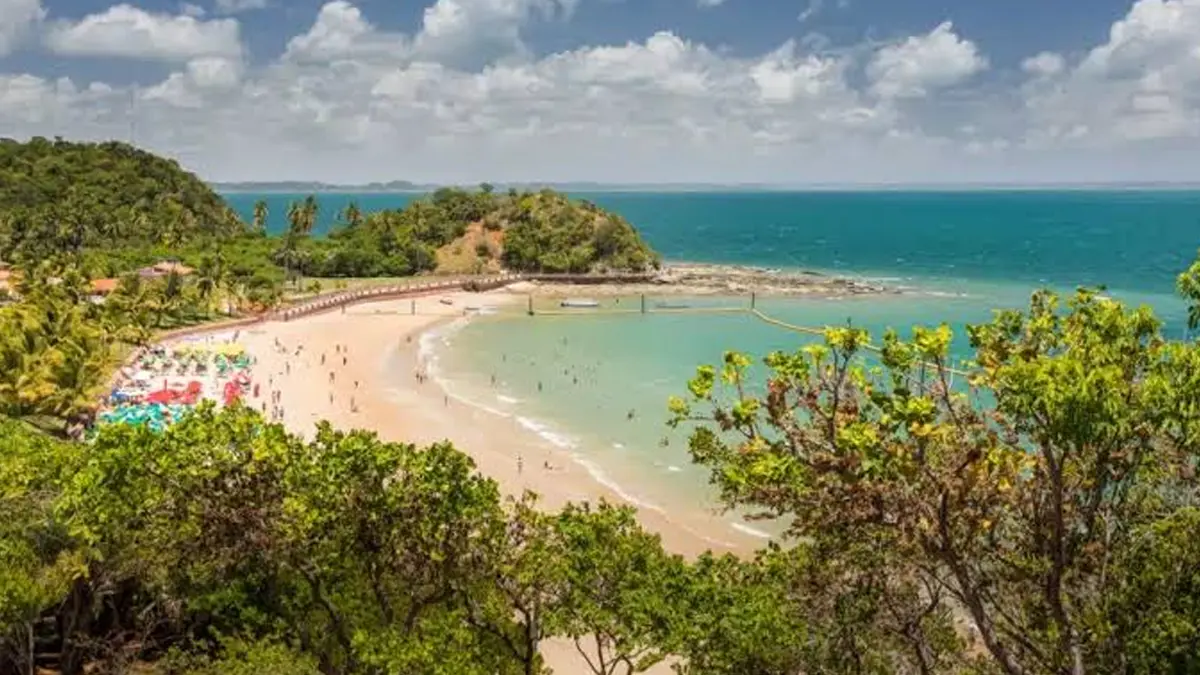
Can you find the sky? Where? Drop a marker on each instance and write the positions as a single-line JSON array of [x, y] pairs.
[[787, 92]]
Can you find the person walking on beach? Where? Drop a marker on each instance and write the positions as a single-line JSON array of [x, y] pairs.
[[520, 464], [322, 358]]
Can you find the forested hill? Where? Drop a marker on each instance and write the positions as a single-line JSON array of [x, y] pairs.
[[59, 196], [114, 208], [464, 231]]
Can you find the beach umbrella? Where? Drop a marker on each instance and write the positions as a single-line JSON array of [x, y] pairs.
[[161, 396]]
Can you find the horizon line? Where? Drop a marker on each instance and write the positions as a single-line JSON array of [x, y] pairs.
[[415, 185]]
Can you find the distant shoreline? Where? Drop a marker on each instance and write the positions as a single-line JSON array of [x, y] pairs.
[[235, 188]]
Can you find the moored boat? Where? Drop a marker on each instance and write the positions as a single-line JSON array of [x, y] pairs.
[[579, 303]]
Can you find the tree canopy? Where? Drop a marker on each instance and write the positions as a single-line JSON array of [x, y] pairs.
[[116, 208], [1035, 502], [58, 196], [228, 538], [463, 231]]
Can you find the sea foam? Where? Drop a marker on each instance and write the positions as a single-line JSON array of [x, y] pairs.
[[746, 529]]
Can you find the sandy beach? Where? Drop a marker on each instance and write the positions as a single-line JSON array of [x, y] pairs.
[[358, 367], [341, 366]]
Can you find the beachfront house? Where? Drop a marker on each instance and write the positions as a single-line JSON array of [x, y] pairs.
[[101, 289], [163, 268], [7, 282]]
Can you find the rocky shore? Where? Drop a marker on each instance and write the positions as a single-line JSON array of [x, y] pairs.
[[713, 279]]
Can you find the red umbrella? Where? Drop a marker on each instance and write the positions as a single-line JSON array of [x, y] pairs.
[[161, 396]]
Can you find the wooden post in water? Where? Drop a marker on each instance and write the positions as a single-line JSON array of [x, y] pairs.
[[752, 299], [643, 303], [530, 304]]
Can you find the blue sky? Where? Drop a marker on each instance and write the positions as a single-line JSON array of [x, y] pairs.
[[781, 91]]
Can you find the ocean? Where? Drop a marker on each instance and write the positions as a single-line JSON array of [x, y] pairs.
[[597, 385]]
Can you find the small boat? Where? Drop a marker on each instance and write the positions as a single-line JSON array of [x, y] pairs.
[[579, 303], [671, 305], [446, 301]]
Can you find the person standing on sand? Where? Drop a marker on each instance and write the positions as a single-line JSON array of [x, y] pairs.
[[520, 464], [322, 358]]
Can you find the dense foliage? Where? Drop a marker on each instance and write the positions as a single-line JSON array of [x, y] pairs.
[[226, 540], [1048, 515], [545, 232], [114, 208], [58, 348], [57, 196], [1049, 532], [471, 231]]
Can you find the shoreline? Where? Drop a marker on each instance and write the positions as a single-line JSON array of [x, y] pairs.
[[682, 278], [377, 389]]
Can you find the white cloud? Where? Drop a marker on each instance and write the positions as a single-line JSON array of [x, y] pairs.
[[782, 77], [471, 33], [197, 84], [237, 6], [1143, 84], [341, 32], [921, 64], [129, 32], [463, 98], [1045, 64], [710, 3], [17, 20], [468, 34], [814, 7]]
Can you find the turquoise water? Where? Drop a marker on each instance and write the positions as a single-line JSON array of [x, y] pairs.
[[1130, 240], [958, 254]]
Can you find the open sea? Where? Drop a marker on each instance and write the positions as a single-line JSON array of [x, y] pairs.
[[604, 380]]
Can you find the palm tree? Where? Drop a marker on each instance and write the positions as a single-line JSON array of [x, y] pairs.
[[260, 216], [295, 216], [52, 359], [170, 296], [209, 278], [310, 210], [302, 218], [352, 216]]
